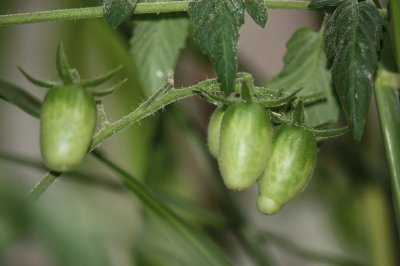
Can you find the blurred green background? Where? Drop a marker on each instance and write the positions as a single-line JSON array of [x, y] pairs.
[[344, 216]]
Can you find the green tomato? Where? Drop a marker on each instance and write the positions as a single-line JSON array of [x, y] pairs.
[[289, 168], [214, 129], [67, 124], [244, 145]]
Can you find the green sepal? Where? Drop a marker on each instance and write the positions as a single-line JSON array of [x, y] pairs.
[[38, 82], [63, 68], [215, 99], [279, 101], [100, 79], [324, 134], [247, 88], [109, 90], [298, 114], [313, 98]]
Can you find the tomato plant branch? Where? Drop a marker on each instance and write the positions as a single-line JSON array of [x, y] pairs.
[[148, 108], [78, 176], [42, 186], [141, 8]]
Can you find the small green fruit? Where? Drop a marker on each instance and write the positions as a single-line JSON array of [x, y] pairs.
[[289, 168], [245, 144], [67, 124]]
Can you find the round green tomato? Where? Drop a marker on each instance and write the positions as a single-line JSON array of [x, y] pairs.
[[244, 145], [289, 168], [214, 129], [67, 124]]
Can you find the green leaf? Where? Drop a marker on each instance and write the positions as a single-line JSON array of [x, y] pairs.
[[352, 41], [258, 11], [17, 96], [117, 11], [305, 67], [216, 29], [325, 5], [156, 45]]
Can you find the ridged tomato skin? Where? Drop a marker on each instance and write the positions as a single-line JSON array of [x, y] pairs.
[[289, 168], [214, 130], [67, 124], [245, 144]]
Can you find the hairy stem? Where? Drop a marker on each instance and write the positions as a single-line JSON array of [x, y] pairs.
[[148, 108], [141, 8]]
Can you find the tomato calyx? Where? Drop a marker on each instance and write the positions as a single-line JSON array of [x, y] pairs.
[[70, 76]]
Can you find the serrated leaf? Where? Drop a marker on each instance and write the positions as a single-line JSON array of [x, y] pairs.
[[352, 42], [305, 67], [258, 11], [156, 45], [216, 29], [325, 5], [22, 99], [116, 11]]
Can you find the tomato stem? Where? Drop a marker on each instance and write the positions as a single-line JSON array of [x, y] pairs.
[[141, 8]]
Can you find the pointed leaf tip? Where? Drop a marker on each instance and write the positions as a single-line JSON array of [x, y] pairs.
[[258, 11]]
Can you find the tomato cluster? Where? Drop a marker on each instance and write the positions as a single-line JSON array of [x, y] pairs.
[[247, 151]]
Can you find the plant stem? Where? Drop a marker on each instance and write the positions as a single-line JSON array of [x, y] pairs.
[[141, 8], [42, 186], [147, 108], [78, 176], [388, 104]]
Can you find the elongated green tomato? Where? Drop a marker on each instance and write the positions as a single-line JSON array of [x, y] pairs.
[[67, 124], [245, 144], [289, 168], [214, 129]]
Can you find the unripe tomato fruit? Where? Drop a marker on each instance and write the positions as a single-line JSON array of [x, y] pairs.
[[67, 124], [214, 129], [289, 168], [244, 145]]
